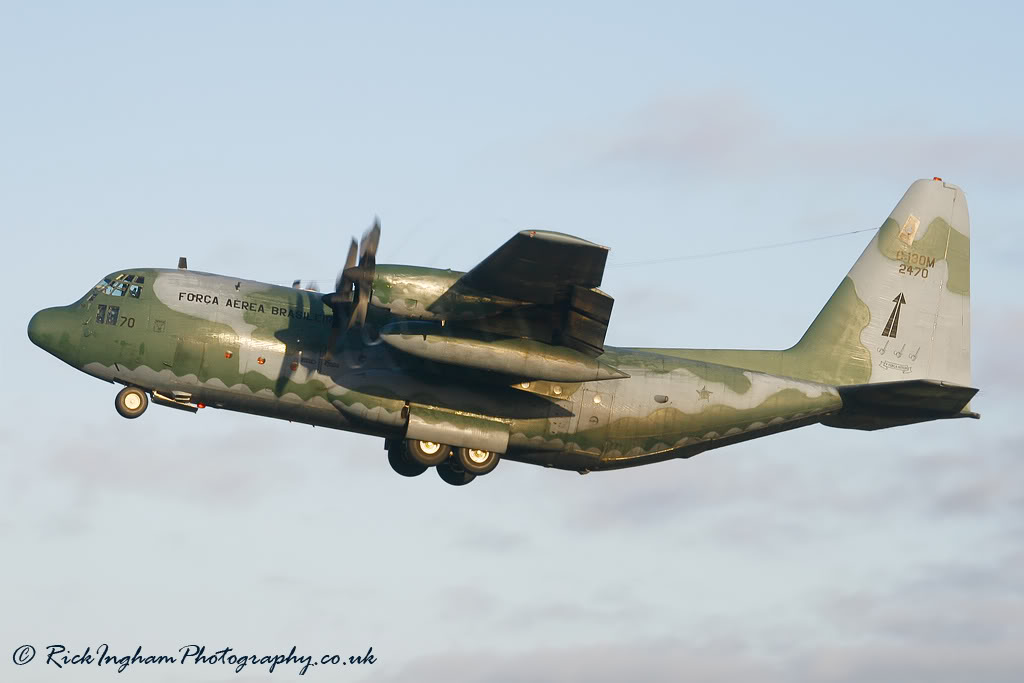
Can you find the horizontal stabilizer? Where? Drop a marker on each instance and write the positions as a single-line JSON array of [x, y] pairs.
[[890, 404]]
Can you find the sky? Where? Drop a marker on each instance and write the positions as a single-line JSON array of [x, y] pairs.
[[256, 138]]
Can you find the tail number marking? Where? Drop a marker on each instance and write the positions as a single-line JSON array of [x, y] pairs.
[[907, 269]]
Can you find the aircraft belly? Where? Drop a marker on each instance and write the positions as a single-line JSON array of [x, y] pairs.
[[381, 393], [314, 412], [686, 408]]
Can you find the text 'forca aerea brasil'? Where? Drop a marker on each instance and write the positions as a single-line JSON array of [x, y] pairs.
[[253, 306]]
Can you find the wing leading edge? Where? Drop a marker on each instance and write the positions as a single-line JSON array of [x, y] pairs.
[[539, 267]]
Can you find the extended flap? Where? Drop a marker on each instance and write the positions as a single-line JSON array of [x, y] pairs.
[[428, 423]]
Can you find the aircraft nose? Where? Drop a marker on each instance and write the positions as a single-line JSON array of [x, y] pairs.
[[46, 327]]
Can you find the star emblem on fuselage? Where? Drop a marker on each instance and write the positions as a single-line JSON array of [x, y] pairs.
[[703, 394]]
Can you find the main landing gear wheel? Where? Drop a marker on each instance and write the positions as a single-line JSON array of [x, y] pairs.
[[453, 473], [402, 464], [131, 402], [427, 453], [476, 461]]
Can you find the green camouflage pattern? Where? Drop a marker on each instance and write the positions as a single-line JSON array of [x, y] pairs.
[[241, 345]]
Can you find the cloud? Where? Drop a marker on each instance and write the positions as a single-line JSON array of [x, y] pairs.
[[712, 130], [730, 487], [665, 660], [757, 498], [980, 479], [727, 662], [563, 614], [997, 334], [220, 469], [492, 540], [728, 133], [466, 602], [954, 622]]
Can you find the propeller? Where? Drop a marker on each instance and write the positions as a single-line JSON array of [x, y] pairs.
[[362, 275], [354, 285]]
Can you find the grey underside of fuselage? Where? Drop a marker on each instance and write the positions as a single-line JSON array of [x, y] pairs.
[[648, 417]]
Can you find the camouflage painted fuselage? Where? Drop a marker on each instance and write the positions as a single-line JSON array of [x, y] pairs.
[[258, 348]]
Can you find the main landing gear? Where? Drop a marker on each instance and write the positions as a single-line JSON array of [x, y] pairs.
[[131, 402], [455, 466]]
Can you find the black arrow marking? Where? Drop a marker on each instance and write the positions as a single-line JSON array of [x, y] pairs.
[[894, 318]]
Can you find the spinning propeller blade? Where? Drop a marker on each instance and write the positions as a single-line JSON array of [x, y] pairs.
[[354, 285]]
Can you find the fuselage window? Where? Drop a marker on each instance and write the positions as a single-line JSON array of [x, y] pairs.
[[112, 314], [101, 313], [134, 290]]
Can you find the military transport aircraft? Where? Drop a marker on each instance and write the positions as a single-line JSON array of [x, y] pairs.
[[458, 370]]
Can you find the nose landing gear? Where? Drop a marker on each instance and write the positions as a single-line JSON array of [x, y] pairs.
[[131, 402]]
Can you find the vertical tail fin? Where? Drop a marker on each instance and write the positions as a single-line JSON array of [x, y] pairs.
[[903, 311]]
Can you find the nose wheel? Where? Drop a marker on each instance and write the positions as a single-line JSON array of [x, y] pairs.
[[131, 402]]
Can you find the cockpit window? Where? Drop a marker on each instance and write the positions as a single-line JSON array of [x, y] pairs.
[[122, 284], [99, 288]]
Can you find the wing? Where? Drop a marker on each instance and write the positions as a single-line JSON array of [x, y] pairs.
[[539, 267], [553, 278]]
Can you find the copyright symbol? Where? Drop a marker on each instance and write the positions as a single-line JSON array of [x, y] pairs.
[[24, 654]]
